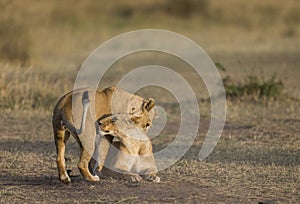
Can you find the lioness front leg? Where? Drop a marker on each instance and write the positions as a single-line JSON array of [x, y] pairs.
[[83, 166], [100, 153], [103, 149], [126, 163], [148, 172], [145, 163]]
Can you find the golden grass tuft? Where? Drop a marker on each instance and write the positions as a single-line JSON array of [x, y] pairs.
[[30, 88]]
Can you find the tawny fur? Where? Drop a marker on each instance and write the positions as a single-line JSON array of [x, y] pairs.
[[102, 102], [130, 156]]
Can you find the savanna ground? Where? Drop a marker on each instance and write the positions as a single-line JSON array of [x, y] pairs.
[[257, 159]]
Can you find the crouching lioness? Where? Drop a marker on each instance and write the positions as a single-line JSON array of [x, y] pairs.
[[130, 156], [75, 110]]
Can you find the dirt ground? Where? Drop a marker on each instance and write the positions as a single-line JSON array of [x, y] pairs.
[[256, 160]]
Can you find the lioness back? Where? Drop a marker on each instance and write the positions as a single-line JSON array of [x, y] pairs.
[[108, 101]]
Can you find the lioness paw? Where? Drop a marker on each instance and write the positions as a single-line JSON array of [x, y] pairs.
[[65, 179], [152, 178], [94, 178], [134, 178], [156, 180]]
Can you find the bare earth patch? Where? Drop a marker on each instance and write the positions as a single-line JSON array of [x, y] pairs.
[[253, 162]]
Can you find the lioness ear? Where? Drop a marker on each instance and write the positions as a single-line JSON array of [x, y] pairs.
[[148, 104]]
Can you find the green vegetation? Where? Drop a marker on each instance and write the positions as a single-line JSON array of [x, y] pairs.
[[254, 87]]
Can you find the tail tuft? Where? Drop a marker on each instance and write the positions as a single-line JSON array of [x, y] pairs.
[[85, 97]]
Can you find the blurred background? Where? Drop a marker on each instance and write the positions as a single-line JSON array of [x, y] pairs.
[[46, 41]]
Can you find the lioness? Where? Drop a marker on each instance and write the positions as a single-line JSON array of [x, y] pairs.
[[130, 155], [103, 102]]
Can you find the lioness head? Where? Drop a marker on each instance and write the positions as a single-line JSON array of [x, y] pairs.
[[122, 127], [144, 117]]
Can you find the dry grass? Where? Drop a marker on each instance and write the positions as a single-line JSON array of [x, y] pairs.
[[63, 28], [257, 158], [29, 88]]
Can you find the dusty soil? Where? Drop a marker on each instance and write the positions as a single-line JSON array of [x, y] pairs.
[[255, 161]]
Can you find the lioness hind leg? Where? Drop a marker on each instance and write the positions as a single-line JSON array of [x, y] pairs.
[[61, 137], [83, 166]]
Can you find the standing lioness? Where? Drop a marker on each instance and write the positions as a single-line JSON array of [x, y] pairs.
[[68, 117]]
